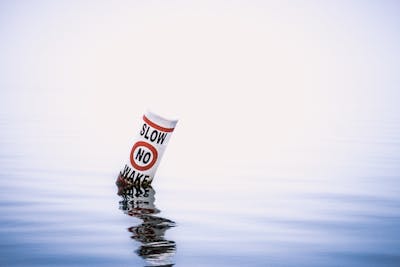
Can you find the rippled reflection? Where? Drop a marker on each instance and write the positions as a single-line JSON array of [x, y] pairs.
[[139, 202]]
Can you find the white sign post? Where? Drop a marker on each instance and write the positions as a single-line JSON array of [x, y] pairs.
[[148, 149]]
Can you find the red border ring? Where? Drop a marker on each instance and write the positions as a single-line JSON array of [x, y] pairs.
[[156, 126], [151, 148]]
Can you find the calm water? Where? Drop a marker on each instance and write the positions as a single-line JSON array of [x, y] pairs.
[[65, 210]]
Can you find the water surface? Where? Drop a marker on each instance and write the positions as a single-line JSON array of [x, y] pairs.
[[331, 213]]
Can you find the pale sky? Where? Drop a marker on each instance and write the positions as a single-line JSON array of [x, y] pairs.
[[250, 81]]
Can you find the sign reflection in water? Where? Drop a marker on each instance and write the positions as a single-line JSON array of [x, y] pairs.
[[139, 202]]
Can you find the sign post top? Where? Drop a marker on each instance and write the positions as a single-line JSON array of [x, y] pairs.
[[162, 122]]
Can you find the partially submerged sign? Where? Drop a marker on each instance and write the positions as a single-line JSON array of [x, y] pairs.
[[147, 150]]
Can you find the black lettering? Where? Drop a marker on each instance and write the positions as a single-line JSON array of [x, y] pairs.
[[146, 180], [137, 179], [126, 171], [146, 157], [130, 178], [153, 135], [139, 154], [147, 131], [143, 129], [143, 156], [161, 138]]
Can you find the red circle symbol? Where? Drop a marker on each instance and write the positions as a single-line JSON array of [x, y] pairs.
[[142, 156]]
